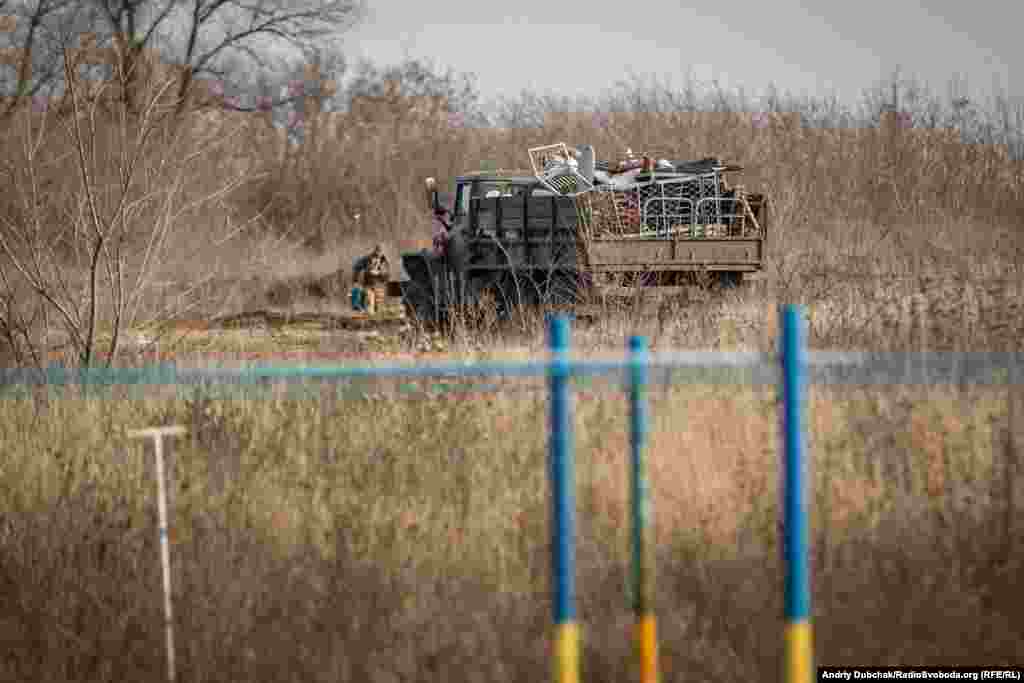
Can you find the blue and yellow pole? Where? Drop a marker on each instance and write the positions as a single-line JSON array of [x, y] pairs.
[[799, 667], [646, 639], [566, 637]]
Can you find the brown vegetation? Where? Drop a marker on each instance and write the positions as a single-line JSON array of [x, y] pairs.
[[378, 540], [325, 537]]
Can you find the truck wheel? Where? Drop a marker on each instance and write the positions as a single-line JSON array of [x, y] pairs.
[[509, 293], [422, 296], [730, 280], [419, 303], [564, 289]]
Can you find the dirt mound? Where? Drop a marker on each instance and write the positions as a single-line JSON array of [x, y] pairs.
[[291, 291], [392, 315]]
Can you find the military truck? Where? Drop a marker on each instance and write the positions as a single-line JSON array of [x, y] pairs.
[[572, 236]]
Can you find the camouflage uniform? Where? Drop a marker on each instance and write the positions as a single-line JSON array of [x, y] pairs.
[[372, 273]]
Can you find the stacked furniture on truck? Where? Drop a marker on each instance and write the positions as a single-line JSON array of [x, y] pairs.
[[643, 197]]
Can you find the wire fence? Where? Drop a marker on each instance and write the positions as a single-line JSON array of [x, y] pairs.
[[824, 368]]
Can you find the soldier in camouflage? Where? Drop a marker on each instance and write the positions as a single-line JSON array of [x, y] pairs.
[[372, 273]]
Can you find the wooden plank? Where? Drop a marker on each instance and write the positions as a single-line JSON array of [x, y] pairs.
[[676, 267], [662, 253], [654, 291]]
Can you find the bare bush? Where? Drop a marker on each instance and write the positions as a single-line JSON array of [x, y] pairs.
[[78, 250]]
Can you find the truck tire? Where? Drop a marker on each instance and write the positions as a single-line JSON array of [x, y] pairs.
[[730, 280], [419, 293]]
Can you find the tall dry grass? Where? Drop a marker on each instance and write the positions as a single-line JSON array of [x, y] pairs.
[[382, 540], [373, 540]]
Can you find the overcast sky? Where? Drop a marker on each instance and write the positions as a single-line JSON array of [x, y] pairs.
[[804, 46]]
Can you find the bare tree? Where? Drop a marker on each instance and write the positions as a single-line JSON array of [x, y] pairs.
[[78, 251], [38, 31], [228, 40]]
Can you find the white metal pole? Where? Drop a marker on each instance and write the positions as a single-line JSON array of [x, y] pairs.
[[157, 434]]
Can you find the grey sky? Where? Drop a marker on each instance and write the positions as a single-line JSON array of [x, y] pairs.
[[806, 47]]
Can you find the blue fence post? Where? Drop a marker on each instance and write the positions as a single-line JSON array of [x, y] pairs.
[[646, 641], [563, 565], [799, 667]]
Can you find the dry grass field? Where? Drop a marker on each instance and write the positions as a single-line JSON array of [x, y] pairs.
[[361, 539]]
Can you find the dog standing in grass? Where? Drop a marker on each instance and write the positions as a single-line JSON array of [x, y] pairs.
[[372, 272]]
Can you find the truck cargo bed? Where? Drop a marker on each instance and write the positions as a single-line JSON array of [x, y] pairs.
[[544, 232]]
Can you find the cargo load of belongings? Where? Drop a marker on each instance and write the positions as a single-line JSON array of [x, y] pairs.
[[640, 196]]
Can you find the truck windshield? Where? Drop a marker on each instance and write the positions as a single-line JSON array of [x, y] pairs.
[[482, 190]]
